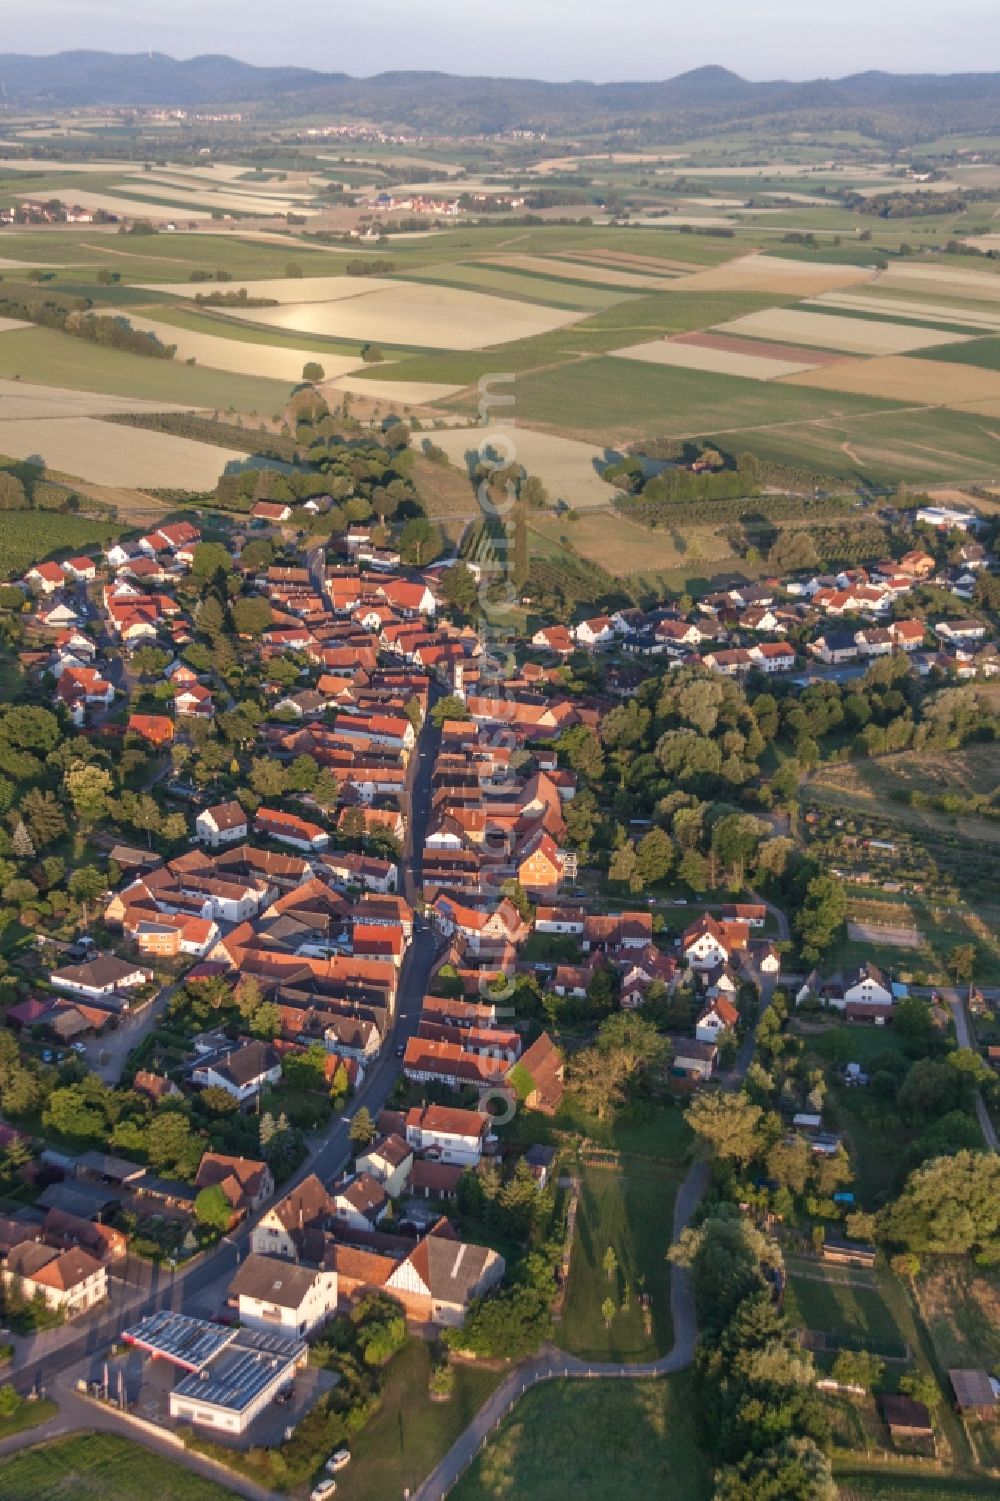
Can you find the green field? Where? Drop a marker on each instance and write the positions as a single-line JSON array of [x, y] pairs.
[[901, 1484], [985, 353], [615, 401], [843, 1306], [409, 1434], [42, 356], [28, 537], [99, 1467], [591, 1440], [632, 1212]]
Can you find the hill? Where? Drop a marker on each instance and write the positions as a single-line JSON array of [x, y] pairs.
[[888, 106]]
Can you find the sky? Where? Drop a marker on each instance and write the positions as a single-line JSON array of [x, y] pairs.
[[553, 39]]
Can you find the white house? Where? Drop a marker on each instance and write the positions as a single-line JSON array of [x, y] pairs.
[[243, 1073], [100, 977], [596, 632], [361, 1202], [867, 985], [452, 1136], [283, 1297], [71, 1280], [225, 823], [718, 1016], [389, 1161]]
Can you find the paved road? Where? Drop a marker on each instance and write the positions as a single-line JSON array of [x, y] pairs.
[[199, 1287], [554, 1364], [964, 1038]]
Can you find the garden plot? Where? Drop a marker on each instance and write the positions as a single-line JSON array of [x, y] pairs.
[[896, 378], [107, 453], [242, 356], [772, 273], [722, 357], [852, 335], [896, 938], [281, 289], [426, 317], [568, 469]]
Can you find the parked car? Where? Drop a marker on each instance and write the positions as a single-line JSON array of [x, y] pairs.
[[323, 1490], [339, 1461]]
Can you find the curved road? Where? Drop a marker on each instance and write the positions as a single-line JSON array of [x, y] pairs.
[[552, 1364]]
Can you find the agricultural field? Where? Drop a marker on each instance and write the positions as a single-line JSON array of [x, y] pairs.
[[570, 471], [828, 331], [583, 1438], [721, 356], [419, 315], [879, 782], [243, 356], [43, 356], [924, 382], [904, 1483], [630, 1211], [28, 537], [111, 454], [99, 1467]]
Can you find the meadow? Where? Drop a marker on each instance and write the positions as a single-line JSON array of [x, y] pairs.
[[591, 1440], [632, 1213]]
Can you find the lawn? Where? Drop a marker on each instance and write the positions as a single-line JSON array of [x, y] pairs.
[[631, 1212], [409, 1434], [589, 1440], [99, 1467], [43, 356], [844, 1307], [30, 1415]]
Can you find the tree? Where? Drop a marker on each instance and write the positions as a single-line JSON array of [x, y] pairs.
[[961, 962], [858, 1368], [268, 778], [86, 884], [654, 856], [20, 843], [313, 371], [608, 1312], [610, 1264], [797, 1470], [89, 788], [12, 496], [210, 558], [449, 707], [362, 1131], [252, 616], [950, 1206], [420, 542], [213, 1209], [727, 1123], [459, 588]]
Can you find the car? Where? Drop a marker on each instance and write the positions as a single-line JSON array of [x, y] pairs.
[[401, 1050], [321, 1491], [339, 1461], [79, 1047], [46, 1055]]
